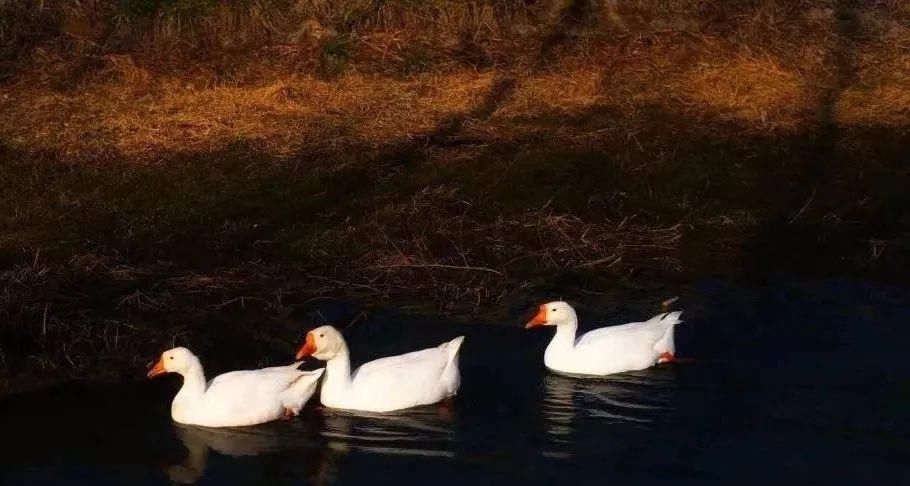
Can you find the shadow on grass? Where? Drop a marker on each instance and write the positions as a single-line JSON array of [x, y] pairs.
[[107, 265]]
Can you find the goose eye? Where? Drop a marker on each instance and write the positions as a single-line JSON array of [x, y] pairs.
[[553, 309], [170, 357], [321, 334]]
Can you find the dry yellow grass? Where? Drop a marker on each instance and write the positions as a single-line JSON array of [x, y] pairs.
[[762, 72], [754, 91], [281, 117], [559, 93], [879, 95], [879, 106], [128, 112]]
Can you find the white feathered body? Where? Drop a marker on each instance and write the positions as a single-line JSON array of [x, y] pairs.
[[246, 397], [396, 382], [614, 349]]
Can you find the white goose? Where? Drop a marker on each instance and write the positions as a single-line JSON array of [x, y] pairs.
[[608, 350], [394, 383], [237, 398]]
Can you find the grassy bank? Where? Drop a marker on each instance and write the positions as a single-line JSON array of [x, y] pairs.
[[200, 173]]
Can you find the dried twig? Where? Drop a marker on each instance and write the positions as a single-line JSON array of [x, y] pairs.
[[615, 259], [347, 284], [802, 209], [439, 265]]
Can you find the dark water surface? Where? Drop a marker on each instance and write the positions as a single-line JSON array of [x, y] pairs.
[[803, 382]]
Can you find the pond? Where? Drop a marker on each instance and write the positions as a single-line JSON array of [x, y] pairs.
[[802, 381]]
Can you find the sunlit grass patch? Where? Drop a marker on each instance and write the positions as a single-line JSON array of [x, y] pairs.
[[755, 91]]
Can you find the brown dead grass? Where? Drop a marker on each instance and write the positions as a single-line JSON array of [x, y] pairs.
[[659, 120], [130, 113], [562, 92], [879, 94], [756, 92], [406, 70], [281, 117], [438, 241], [879, 106]]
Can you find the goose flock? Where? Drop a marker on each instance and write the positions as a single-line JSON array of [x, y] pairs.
[[423, 377]]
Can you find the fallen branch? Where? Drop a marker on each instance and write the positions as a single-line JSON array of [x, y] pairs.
[[616, 259], [802, 209], [439, 265], [348, 284]]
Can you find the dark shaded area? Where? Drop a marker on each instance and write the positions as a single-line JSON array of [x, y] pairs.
[[119, 261], [447, 130], [238, 205]]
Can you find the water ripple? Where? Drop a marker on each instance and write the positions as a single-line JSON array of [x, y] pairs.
[[571, 404]]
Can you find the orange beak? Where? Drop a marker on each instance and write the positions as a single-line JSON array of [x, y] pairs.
[[540, 319], [308, 348], [156, 370]]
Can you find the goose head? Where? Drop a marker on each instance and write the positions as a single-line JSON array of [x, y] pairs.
[[177, 360], [552, 314], [323, 343]]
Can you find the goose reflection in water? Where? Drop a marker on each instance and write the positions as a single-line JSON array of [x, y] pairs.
[[239, 441], [421, 431], [324, 437], [573, 405]]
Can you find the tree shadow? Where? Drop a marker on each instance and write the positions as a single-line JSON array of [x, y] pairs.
[[576, 15]]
